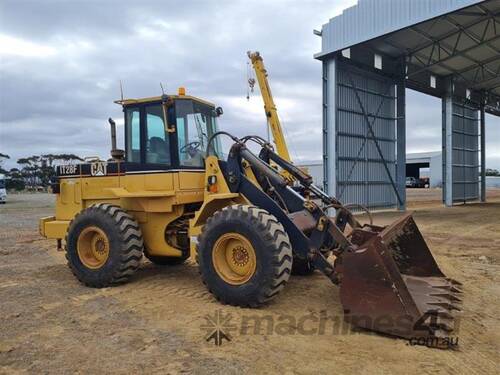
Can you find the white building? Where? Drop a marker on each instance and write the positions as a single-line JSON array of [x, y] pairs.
[[418, 165], [426, 164]]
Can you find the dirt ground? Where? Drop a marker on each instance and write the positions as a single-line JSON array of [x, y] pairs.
[[158, 322]]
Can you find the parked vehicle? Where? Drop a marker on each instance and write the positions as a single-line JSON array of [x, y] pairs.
[[3, 191], [411, 182], [425, 182]]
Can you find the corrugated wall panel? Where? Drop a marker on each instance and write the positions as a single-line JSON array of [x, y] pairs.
[[360, 173], [465, 154]]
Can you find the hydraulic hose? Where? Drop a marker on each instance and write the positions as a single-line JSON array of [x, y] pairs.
[[215, 135]]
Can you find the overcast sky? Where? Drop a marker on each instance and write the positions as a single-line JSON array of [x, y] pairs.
[[61, 62]]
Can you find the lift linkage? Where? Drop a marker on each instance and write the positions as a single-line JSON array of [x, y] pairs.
[[386, 274], [312, 232]]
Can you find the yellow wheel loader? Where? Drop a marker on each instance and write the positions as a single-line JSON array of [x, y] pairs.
[[170, 195]]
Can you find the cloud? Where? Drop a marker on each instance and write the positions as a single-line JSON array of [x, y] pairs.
[[61, 64], [10, 46]]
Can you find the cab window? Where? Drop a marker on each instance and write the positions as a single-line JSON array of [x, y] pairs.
[[132, 118], [195, 125], [157, 140]]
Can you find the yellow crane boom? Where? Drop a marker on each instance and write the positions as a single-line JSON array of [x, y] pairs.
[[269, 106]]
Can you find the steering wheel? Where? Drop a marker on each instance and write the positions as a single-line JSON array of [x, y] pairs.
[[190, 146]]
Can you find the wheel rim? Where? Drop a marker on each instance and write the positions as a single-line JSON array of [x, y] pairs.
[[234, 259], [93, 247]]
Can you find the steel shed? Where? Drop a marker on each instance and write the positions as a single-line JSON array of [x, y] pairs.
[[371, 53]]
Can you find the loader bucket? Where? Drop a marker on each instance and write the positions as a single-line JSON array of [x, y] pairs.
[[392, 284]]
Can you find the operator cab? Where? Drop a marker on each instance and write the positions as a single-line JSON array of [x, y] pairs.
[[169, 132]]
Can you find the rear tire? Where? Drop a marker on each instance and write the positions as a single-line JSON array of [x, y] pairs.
[[104, 246], [244, 256]]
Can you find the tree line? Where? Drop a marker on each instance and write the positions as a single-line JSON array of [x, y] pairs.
[[35, 170], [492, 172], [38, 170]]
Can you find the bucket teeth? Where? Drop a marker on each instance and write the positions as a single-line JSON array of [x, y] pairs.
[[449, 287], [449, 296], [396, 275], [437, 299], [442, 313], [447, 305], [454, 282]]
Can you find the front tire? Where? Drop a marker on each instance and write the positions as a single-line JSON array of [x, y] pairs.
[[244, 256], [104, 246]]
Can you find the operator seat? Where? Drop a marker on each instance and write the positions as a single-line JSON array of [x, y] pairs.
[[158, 151]]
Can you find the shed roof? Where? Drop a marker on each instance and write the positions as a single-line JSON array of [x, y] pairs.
[[370, 19], [421, 155], [440, 38]]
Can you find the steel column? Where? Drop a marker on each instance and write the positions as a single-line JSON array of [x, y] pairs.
[[329, 126], [448, 146], [401, 144], [483, 155]]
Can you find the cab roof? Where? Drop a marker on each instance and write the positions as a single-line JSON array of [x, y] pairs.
[[153, 99]]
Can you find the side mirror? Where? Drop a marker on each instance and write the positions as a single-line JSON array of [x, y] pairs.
[[219, 111]]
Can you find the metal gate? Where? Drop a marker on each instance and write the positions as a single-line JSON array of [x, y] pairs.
[[365, 139]]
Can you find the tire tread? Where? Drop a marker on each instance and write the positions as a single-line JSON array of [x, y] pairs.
[[272, 231], [131, 249]]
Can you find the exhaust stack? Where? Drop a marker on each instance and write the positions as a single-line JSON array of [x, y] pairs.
[[116, 154]]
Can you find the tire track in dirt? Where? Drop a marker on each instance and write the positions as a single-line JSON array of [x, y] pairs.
[[165, 287], [157, 292], [51, 320]]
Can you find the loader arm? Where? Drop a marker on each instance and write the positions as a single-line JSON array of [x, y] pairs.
[[312, 232], [389, 281]]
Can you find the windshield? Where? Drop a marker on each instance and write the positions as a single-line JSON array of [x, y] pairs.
[[196, 123], [2, 184]]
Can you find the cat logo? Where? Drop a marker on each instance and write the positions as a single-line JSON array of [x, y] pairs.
[[98, 169]]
